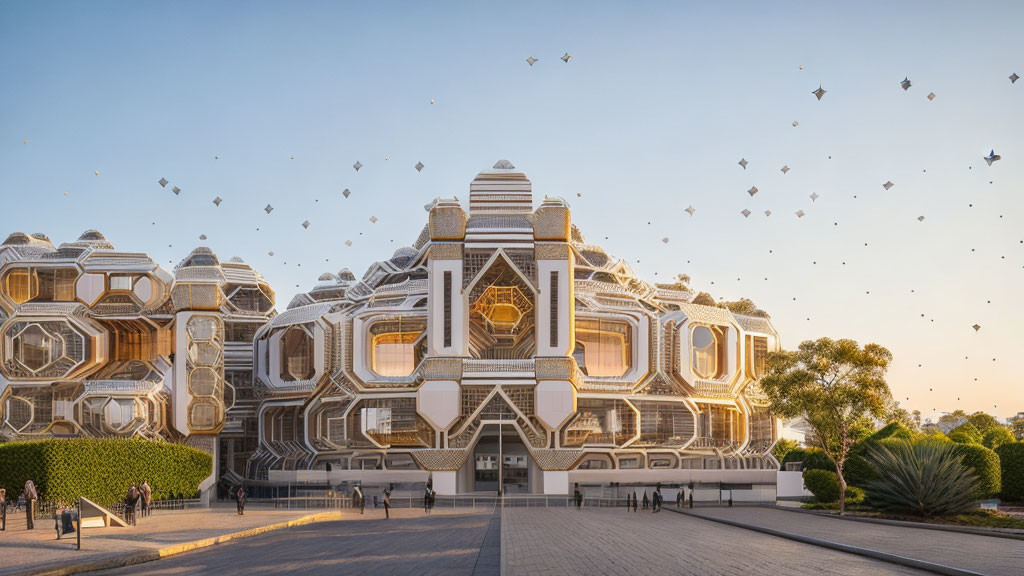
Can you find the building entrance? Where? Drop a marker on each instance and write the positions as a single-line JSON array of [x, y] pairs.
[[501, 461]]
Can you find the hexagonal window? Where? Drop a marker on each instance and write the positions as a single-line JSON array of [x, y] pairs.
[[203, 353], [202, 382], [250, 299], [119, 412], [297, 355], [503, 307], [202, 415], [203, 328], [34, 348]]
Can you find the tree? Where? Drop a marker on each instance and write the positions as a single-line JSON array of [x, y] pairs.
[[965, 433], [996, 437], [744, 306], [835, 385], [681, 284], [953, 417], [783, 447], [983, 422], [704, 299]]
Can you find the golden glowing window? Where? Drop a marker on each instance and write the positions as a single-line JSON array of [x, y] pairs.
[[708, 351], [757, 356], [603, 347], [296, 355], [397, 346], [55, 284], [20, 286]]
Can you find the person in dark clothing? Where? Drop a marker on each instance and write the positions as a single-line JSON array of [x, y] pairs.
[[387, 504], [634, 500], [578, 496], [357, 497], [130, 501], [240, 498], [679, 498], [691, 499], [426, 500], [647, 500], [374, 501]]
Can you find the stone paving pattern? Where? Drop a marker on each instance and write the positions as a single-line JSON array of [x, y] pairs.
[[408, 543], [983, 554], [21, 549], [600, 541]]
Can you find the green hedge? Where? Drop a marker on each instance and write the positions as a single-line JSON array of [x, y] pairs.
[[824, 484], [101, 469], [813, 459], [966, 434], [986, 467], [996, 437], [1011, 463]]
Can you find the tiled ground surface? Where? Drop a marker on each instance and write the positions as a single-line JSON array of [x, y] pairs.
[[610, 541], [983, 554], [408, 543]]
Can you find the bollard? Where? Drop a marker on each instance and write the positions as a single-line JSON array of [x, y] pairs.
[[78, 524]]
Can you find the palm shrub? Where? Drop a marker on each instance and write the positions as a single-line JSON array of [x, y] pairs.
[[858, 470], [924, 478]]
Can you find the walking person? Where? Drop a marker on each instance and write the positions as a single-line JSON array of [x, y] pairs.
[[240, 498], [647, 500], [147, 498], [31, 496], [387, 504], [578, 497], [634, 500], [357, 499], [129, 504]]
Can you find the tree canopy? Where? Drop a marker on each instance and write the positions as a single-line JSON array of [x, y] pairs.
[[835, 385]]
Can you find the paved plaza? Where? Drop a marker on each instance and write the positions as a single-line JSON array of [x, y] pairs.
[[525, 541]]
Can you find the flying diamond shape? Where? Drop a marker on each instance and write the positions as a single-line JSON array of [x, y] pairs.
[[202, 236], [992, 157], [217, 200], [767, 212], [419, 166], [743, 162], [348, 242], [163, 182], [176, 190], [690, 210], [746, 213], [531, 60], [268, 209], [753, 190], [566, 57], [306, 224], [905, 84], [346, 192], [920, 218], [819, 92], [373, 219], [1014, 78], [784, 169], [665, 240], [888, 185], [814, 196], [976, 327], [271, 253], [931, 96], [357, 165], [799, 213], [795, 123]]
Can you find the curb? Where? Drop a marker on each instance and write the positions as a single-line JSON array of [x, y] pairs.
[[131, 558], [864, 552], [975, 530]]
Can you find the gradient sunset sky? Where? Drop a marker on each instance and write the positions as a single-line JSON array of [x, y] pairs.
[[651, 115]]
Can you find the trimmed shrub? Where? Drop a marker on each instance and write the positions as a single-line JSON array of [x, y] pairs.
[[983, 422], [101, 469], [925, 478], [824, 484], [784, 447], [966, 433], [985, 464], [813, 459], [996, 437], [1011, 464]]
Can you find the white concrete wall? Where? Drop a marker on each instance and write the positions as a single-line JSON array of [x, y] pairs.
[[791, 485]]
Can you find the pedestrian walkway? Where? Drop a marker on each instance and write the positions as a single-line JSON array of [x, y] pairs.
[[976, 553], [611, 541], [37, 551]]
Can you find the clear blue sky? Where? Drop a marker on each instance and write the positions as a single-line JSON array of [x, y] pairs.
[[652, 114]]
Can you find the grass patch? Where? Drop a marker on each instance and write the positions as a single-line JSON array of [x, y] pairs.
[[978, 518]]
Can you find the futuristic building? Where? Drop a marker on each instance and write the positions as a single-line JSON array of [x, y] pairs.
[[98, 342], [501, 349]]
